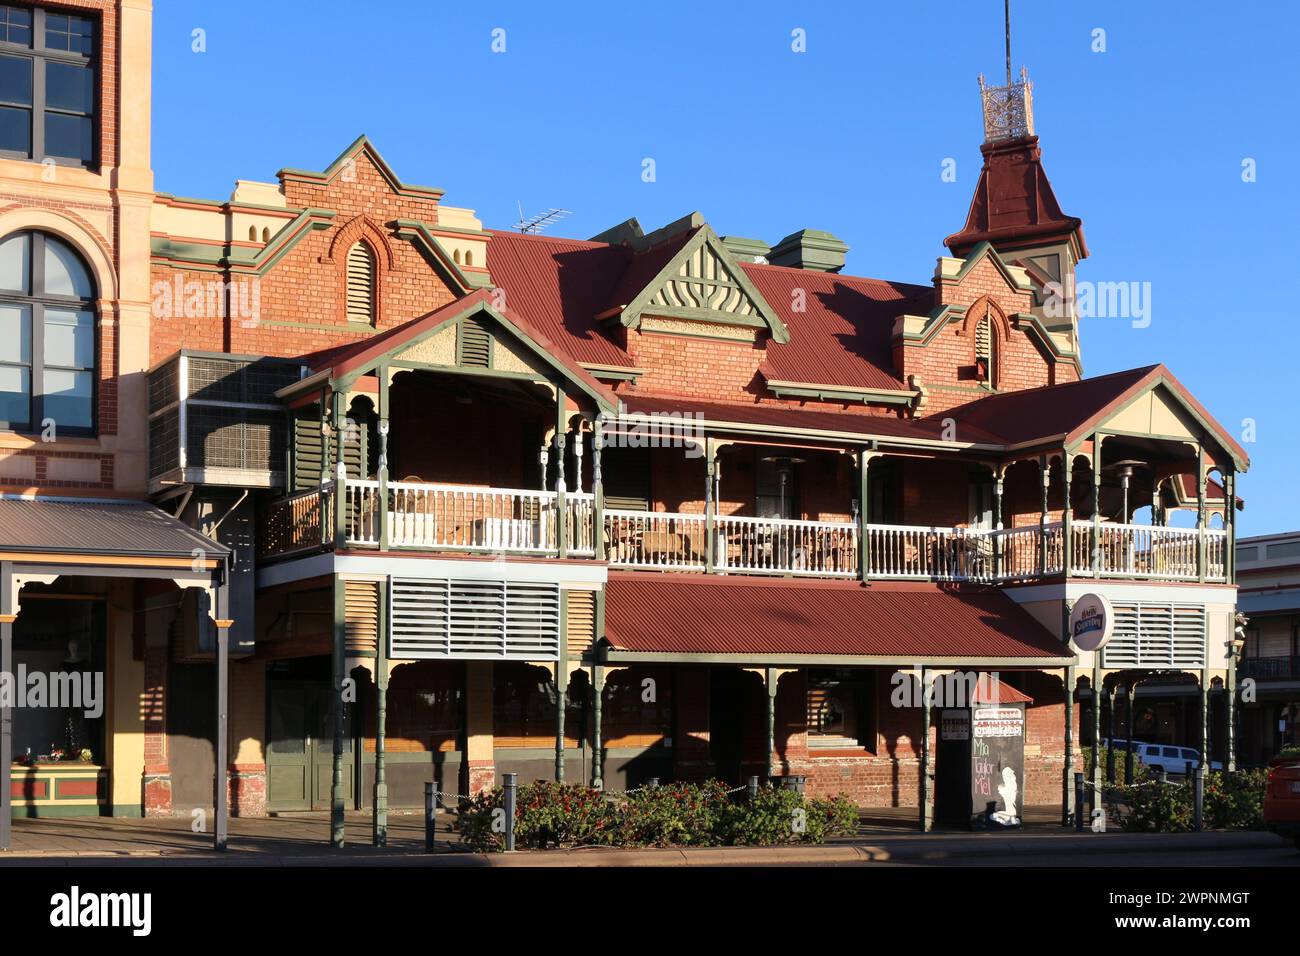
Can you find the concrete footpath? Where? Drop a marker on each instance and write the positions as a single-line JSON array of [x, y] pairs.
[[299, 841]]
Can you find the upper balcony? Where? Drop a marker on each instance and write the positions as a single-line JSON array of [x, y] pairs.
[[787, 509]]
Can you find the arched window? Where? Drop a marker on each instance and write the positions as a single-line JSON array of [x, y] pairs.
[[361, 284], [47, 335]]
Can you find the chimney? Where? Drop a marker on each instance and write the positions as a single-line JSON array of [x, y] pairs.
[[809, 249], [747, 250]]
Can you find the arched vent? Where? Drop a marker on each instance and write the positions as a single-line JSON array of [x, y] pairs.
[[984, 349], [361, 284]]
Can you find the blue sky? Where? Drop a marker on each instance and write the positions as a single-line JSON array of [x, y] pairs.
[[1145, 142]]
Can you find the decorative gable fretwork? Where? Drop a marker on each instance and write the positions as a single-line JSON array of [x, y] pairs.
[[701, 290]]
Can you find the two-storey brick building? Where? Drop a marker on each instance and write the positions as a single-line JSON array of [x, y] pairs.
[[671, 504]]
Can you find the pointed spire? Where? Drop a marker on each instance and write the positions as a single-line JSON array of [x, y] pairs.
[[1014, 205]]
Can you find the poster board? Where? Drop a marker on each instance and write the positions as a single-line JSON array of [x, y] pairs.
[[997, 764]]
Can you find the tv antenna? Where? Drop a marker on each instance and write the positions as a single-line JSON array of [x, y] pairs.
[[540, 221]]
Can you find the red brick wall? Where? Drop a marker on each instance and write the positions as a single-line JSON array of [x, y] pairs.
[[306, 287]]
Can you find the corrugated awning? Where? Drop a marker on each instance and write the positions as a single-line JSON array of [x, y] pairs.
[[675, 615], [97, 527]]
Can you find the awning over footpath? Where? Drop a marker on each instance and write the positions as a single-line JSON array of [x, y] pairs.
[[35, 528], [677, 617]]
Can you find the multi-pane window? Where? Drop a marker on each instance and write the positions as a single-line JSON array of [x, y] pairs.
[[47, 85], [47, 336]]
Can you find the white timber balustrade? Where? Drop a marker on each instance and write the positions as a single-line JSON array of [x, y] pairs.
[[930, 554], [663, 540], [426, 516], [454, 517], [786, 546], [1146, 551]]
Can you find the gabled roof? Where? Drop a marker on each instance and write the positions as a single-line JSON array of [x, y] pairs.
[[652, 284], [1066, 414], [359, 145], [750, 619], [353, 360], [559, 286], [842, 338]]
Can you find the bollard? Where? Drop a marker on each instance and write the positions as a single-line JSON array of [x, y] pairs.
[[509, 779], [651, 783], [1162, 775], [1078, 803], [1188, 772], [429, 807], [1198, 797], [751, 789]]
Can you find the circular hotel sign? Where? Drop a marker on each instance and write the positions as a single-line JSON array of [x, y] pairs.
[[1091, 622]]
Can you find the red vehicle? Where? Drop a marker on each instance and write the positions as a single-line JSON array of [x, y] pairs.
[[1282, 798]]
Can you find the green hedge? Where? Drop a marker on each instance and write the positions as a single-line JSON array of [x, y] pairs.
[[551, 815], [1233, 801]]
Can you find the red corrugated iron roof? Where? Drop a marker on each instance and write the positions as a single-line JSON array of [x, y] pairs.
[[1072, 409], [745, 617], [352, 357], [988, 692], [1044, 412], [843, 335], [783, 416], [560, 285]]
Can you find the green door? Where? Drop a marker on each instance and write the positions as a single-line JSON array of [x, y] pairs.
[[300, 748], [288, 750]]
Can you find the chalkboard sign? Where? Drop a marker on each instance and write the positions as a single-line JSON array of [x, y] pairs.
[[997, 755]]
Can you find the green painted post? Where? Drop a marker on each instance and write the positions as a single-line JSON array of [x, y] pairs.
[[710, 506], [864, 514], [927, 816], [1230, 707], [561, 687], [598, 486], [340, 474], [1067, 528], [379, 834], [1045, 471], [326, 471], [1068, 802], [597, 745], [561, 439], [1205, 718], [1096, 731], [999, 474], [1096, 506], [771, 679], [1200, 514], [338, 664], [382, 504]]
